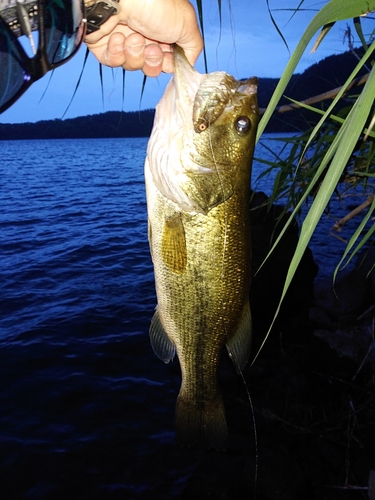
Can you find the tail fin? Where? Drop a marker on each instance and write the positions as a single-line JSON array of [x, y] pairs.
[[201, 424]]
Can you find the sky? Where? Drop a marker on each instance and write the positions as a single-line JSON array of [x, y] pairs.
[[247, 44]]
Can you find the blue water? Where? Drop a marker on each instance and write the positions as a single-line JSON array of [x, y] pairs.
[[74, 237], [82, 397], [86, 409]]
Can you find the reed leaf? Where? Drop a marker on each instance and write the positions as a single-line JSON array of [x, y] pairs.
[[354, 239], [336, 157], [333, 11], [200, 18], [358, 28], [276, 26], [78, 83]]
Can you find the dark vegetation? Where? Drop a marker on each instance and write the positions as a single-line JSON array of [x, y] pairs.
[[110, 124], [311, 387], [326, 75]]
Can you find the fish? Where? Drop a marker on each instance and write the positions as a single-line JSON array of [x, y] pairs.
[[197, 176]]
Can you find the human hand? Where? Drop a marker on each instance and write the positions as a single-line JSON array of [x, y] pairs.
[[141, 34]]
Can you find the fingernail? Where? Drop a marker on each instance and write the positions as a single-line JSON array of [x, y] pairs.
[[154, 61], [136, 50], [118, 47]]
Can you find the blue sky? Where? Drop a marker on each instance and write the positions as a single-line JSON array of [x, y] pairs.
[[247, 44]]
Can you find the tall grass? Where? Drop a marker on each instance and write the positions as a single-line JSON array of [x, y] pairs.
[[339, 148]]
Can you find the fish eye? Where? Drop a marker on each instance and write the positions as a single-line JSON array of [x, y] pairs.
[[242, 124]]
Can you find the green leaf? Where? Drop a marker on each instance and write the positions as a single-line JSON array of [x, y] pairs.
[[335, 10], [143, 89], [355, 237], [276, 26], [78, 83], [358, 28], [337, 158], [200, 17], [101, 82]]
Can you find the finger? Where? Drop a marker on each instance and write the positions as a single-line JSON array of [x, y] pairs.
[[168, 65], [192, 47], [109, 48], [192, 51], [153, 59], [115, 53], [134, 51], [190, 38]]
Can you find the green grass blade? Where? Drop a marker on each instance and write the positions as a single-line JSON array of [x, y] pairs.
[[78, 82], [358, 28], [328, 112], [45, 90], [200, 17], [354, 238], [324, 32], [346, 141], [340, 152], [335, 10], [123, 89], [142, 90], [276, 26], [101, 82]]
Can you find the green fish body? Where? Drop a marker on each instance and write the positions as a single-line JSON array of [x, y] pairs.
[[197, 174]]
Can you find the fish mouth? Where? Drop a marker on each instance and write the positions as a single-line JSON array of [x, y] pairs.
[[191, 103], [187, 82], [203, 98]]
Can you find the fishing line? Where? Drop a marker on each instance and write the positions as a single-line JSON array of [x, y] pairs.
[[255, 431], [225, 206], [230, 353], [232, 30]]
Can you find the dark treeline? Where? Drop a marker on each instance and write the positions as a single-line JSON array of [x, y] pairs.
[[323, 76], [326, 75], [110, 124]]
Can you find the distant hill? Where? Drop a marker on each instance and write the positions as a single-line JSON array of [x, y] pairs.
[[323, 76], [110, 124]]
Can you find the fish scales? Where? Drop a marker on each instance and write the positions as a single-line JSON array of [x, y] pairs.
[[197, 174]]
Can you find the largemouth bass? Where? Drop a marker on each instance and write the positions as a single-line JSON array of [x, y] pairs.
[[197, 174]]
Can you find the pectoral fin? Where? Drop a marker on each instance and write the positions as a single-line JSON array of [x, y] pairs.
[[174, 244], [162, 346], [240, 344]]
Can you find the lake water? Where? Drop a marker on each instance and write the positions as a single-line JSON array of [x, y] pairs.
[[86, 409]]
